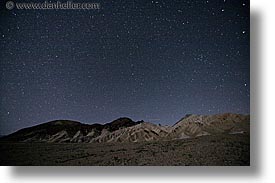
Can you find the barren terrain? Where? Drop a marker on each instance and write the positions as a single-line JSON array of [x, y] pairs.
[[230, 149]]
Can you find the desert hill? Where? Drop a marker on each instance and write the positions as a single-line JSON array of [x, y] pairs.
[[66, 131], [126, 130], [199, 125]]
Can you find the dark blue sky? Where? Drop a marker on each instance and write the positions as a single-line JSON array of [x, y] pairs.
[[147, 60]]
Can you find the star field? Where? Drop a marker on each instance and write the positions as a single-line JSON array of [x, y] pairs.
[[147, 60]]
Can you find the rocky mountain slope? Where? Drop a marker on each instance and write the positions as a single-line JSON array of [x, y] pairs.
[[199, 125], [126, 130], [141, 132], [67, 131]]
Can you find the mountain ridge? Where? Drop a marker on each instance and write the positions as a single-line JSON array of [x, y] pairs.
[[126, 130]]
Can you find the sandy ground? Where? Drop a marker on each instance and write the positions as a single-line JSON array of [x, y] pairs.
[[205, 150]]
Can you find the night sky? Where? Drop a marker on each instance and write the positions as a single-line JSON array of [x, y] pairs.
[[148, 60]]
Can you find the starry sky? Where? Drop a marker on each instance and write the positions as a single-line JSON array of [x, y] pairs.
[[148, 60]]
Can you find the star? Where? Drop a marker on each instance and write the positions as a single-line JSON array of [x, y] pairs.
[[128, 59]]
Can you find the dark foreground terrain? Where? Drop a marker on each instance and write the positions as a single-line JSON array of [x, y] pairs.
[[205, 150]]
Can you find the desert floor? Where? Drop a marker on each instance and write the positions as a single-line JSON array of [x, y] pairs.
[[205, 150]]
